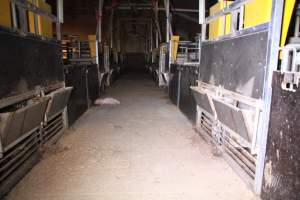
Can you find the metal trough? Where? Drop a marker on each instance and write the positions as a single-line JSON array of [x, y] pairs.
[[58, 101], [18, 122]]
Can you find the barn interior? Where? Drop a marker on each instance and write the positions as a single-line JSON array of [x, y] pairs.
[[149, 99]]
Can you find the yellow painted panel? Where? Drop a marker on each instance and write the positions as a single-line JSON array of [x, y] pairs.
[[5, 16], [92, 44], [288, 12], [216, 26], [175, 41], [257, 12], [31, 20], [44, 24]]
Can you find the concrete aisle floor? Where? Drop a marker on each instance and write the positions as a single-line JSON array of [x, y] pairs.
[[143, 149]]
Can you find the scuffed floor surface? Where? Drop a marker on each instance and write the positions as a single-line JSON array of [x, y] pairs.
[[142, 149]]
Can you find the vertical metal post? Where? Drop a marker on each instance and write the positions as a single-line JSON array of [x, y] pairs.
[[97, 52], [98, 42], [296, 34], [157, 24], [60, 17], [233, 23], [58, 31], [118, 36], [79, 50], [23, 19], [147, 41], [167, 7], [151, 36], [111, 28], [202, 20], [201, 11], [100, 21], [14, 15], [272, 62], [241, 19], [203, 31]]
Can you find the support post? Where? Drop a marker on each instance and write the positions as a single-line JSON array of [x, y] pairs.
[[202, 20], [23, 19], [100, 21], [157, 32], [241, 18], [14, 15], [111, 28], [151, 36], [60, 17], [118, 36], [201, 11], [167, 7], [272, 63]]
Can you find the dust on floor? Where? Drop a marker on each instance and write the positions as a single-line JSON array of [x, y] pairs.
[[142, 149]]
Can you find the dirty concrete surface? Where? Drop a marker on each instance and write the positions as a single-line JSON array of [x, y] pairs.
[[142, 149]]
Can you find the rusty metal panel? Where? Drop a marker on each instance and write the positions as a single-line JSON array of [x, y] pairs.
[[282, 163]]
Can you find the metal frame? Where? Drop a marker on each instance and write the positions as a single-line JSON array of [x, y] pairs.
[[274, 34], [148, 7], [272, 62], [234, 8], [27, 6], [188, 47]]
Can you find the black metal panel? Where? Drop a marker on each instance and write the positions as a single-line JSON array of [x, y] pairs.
[[282, 163], [76, 77], [93, 82], [236, 64], [187, 103], [174, 83], [27, 63]]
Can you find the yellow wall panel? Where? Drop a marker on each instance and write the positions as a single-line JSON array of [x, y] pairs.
[[216, 26], [257, 12], [288, 12], [92, 44], [175, 43], [44, 24], [5, 16], [31, 20]]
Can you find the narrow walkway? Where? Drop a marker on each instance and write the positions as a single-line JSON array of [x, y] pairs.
[[143, 149]]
